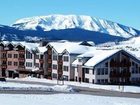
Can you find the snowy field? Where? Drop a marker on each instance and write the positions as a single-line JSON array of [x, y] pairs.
[[19, 86], [64, 99], [133, 89]]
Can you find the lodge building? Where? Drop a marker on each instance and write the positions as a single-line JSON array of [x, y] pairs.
[[69, 61]]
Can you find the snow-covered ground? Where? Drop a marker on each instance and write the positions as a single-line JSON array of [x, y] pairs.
[[19, 86], [133, 89], [64, 99]]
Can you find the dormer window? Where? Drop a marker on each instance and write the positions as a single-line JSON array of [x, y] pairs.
[[79, 60]]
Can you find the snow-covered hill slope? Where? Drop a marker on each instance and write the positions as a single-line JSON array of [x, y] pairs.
[[58, 22]]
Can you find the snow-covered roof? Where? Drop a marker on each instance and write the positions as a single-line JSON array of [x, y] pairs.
[[100, 55], [30, 46], [71, 47], [42, 49], [95, 56]]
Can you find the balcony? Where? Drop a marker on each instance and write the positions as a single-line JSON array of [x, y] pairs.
[[49, 52], [21, 59], [49, 69], [60, 62], [49, 60], [49, 77], [125, 74], [4, 66], [3, 59], [125, 64], [60, 71], [115, 64], [21, 67], [114, 74], [21, 51], [41, 60], [2, 51]]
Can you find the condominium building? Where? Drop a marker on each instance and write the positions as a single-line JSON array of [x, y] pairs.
[[112, 66]]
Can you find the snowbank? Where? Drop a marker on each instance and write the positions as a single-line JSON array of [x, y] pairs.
[[132, 89], [19, 86]]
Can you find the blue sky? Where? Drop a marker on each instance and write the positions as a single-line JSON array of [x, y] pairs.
[[126, 12]]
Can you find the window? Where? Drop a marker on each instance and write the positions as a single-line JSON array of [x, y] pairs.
[[9, 55], [102, 71], [136, 65], [106, 71], [98, 71], [37, 56], [54, 75], [65, 68], [55, 57], [98, 80], [9, 62], [106, 64], [102, 81], [133, 70], [87, 70], [137, 71], [15, 63], [4, 63], [133, 63], [65, 77], [93, 71], [4, 55], [28, 64], [66, 58], [86, 80], [106, 80], [37, 64], [41, 56], [15, 55], [54, 66], [93, 81], [41, 65], [28, 55]]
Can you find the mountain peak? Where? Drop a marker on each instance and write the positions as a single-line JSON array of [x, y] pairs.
[[59, 22]]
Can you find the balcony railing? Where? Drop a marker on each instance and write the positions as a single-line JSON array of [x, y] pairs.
[[41, 60], [60, 62], [3, 66], [21, 59], [120, 64], [120, 74], [21, 66], [21, 51], [49, 69], [49, 61], [2, 51], [114, 74], [3, 59], [49, 52]]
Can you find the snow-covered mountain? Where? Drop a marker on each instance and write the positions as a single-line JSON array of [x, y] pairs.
[[61, 22]]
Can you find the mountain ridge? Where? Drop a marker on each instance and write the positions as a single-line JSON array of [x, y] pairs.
[[60, 22]]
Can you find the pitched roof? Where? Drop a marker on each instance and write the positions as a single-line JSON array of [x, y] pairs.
[[71, 47], [99, 56]]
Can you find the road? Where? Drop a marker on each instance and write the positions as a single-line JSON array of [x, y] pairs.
[[80, 90]]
